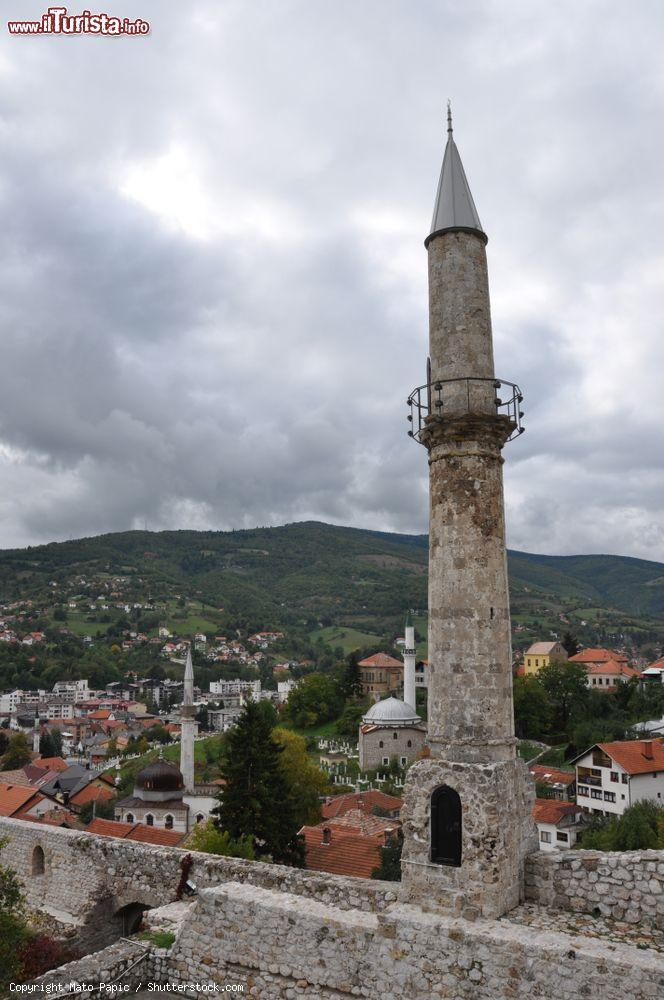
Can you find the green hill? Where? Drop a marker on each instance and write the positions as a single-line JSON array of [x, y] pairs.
[[321, 576]]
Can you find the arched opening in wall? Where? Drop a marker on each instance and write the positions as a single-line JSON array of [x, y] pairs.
[[168, 822], [446, 826], [128, 918], [199, 817], [38, 863], [149, 819], [129, 818]]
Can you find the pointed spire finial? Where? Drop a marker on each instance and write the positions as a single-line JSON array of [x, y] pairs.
[[449, 118]]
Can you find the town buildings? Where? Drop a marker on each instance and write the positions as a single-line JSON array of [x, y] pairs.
[[540, 654], [610, 777], [380, 675], [390, 730], [558, 824]]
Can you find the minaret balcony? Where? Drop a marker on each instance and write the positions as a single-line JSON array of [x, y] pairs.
[[443, 400]]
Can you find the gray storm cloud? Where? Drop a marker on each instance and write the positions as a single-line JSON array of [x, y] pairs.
[[213, 284]]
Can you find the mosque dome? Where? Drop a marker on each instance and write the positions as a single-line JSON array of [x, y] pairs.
[[158, 777], [391, 712]]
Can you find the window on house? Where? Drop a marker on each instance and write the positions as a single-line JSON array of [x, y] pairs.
[[614, 776], [410, 743], [581, 790], [149, 820], [168, 822], [386, 760], [404, 760], [380, 744], [562, 837], [622, 797], [396, 736], [129, 818], [545, 837], [625, 778], [595, 793], [609, 796], [199, 817]]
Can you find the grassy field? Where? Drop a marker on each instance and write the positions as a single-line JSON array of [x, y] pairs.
[[348, 638]]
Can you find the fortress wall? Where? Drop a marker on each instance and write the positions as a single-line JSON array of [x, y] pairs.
[[85, 873], [626, 886], [282, 946]]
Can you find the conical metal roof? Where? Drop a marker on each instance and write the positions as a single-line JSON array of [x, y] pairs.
[[454, 207]]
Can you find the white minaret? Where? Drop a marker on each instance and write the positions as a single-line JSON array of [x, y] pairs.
[[188, 727], [409, 664], [37, 734]]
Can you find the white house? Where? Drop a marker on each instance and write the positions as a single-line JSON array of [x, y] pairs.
[[610, 777], [607, 676], [558, 823]]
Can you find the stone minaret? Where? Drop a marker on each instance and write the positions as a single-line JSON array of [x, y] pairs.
[[188, 727], [409, 664], [36, 734], [467, 812]]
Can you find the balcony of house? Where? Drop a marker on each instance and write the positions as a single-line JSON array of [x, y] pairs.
[[589, 776]]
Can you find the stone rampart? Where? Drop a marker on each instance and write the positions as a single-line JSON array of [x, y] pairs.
[[626, 886], [282, 946], [125, 961], [87, 880]]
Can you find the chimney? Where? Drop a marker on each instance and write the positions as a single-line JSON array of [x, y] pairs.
[[647, 750], [327, 835]]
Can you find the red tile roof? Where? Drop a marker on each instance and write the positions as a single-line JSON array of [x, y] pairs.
[[92, 793], [551, 776], [597, 655], [349, 851], [52, 763], [17, 798], [380, 660], [630, 754], [553, 810], [612, 667], [365, 801], [135, 831]]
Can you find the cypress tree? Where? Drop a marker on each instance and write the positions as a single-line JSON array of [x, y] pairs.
[[257, 800], [352, 682]]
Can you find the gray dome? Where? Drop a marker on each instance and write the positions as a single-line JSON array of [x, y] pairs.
[[391, 712]]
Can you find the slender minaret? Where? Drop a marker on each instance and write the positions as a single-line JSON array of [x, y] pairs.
[[188, 726], [409, 664], [466, 815], [36, 734]]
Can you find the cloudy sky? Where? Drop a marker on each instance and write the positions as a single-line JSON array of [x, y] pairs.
[[213, 282]]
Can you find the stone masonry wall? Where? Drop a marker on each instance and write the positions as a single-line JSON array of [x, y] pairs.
[[125, 960], [626, 886], [88, 878], [283, 946]]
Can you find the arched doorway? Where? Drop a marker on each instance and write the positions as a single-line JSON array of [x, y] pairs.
[[128, 918], [446, 826], [38, 862]]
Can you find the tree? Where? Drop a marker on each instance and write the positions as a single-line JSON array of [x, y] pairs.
[[317, 698], [638, 829], [158, 734], [349, 720], [306, 780], [389, 869], [351, 682], [17, 754], [533, 710], [100, 809], [565, 684], [50, 743], [257, 800], [13, 927], [208, 838], [570, 644], [202, 718]]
